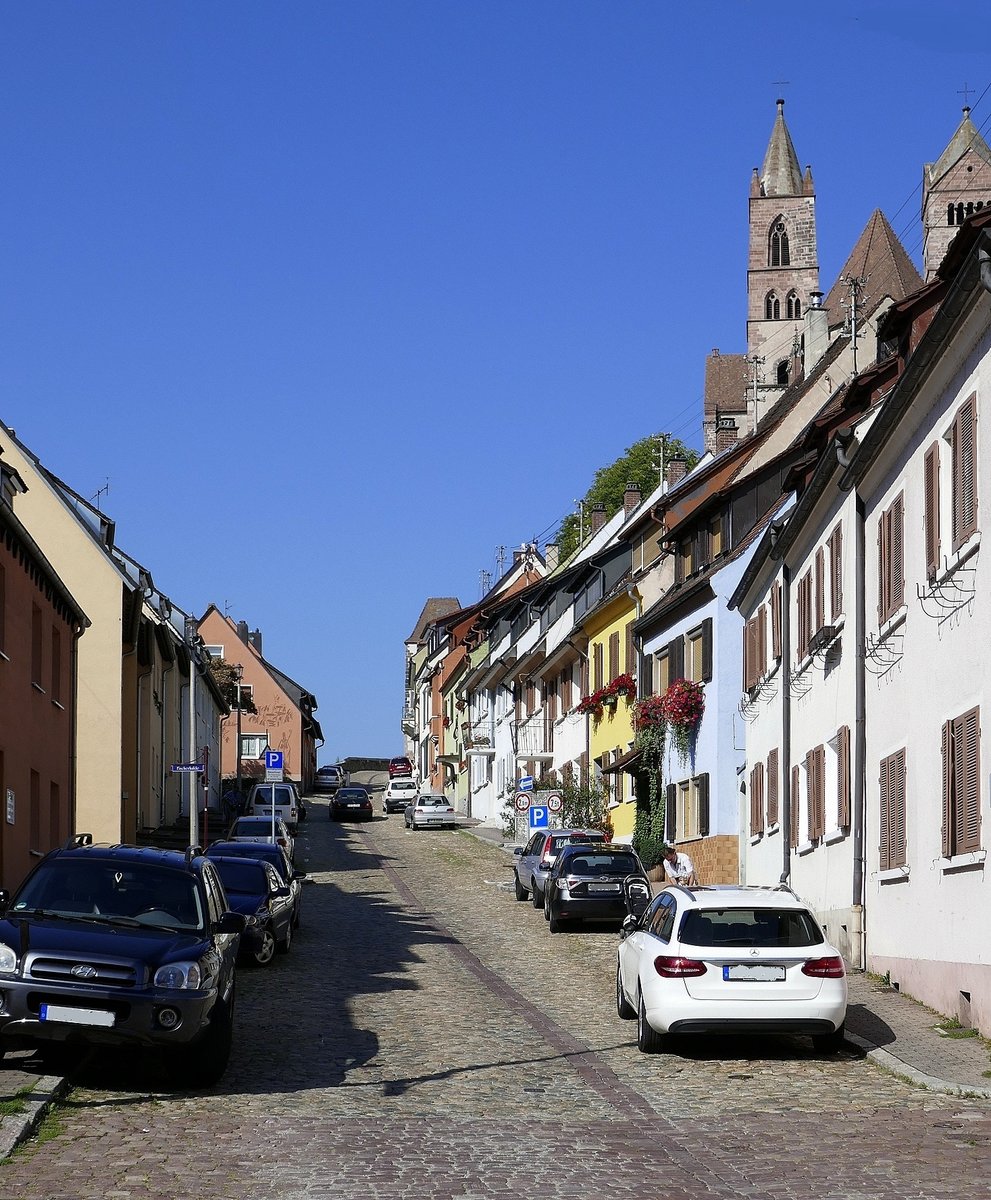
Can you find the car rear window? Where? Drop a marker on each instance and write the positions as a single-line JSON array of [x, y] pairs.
[[433, 802], [283, 795], [602, 864], [243, 876], [751, 927], [403, 786]]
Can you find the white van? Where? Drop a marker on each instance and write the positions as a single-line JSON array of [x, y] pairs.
[[286, 802]]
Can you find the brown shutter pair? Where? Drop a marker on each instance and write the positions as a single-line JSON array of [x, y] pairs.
[[772, 787], [964, 446]]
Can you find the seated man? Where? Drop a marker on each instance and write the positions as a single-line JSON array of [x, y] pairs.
[[678, 867]]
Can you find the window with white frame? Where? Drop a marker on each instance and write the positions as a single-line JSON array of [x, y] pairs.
[[214, 651], [253, 745]]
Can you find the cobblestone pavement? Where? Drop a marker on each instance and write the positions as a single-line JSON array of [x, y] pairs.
[[428, 1038]]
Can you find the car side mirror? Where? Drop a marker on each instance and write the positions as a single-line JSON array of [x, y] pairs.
[[628, 926], [518, 851], [231, 922]]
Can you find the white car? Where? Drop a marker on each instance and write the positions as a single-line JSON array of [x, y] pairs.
[[259, 829], [729, 960], [398, 793], [430, 810], [286, 802]]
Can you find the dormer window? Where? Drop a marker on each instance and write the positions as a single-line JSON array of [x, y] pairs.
[[780, 254]]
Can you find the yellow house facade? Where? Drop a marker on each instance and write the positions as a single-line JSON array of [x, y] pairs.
[[611, 657]]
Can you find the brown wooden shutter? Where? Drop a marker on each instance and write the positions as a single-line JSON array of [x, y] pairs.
[[897, 598], [583, 680], [707, 649], [631, 651], [965, 473], [931, 489], [896, 809], [772, 787], [761, 642], [836, 573], [793, 806], [551, 699], [820, 593], [967, 807], [677, 658], [748, 654], [804, 615], [882, 569], [947, 826], [613, 656], [702, 795], [583, 769], [776, 619], [671, 813], [757, 799], [597, 666], [884, 837], [843, 780]]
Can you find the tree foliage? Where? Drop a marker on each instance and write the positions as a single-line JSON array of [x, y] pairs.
[[639, 464], [226, 677]]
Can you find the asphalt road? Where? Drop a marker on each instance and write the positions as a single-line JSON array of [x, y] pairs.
[[427, 1037]]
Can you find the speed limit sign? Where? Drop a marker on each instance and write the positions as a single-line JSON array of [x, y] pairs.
[[523, 801], [553, 800]]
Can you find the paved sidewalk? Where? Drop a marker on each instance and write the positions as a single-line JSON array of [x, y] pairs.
[[896, 1031]]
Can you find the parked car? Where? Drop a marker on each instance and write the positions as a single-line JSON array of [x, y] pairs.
[[353, 802], [286, 796], [398, 793], [259, 829], [126, 946], [329, 779], [254, 888], [430, 810], [276, 857], [400, 765], [586, 882], [730, 960], [535, 859]]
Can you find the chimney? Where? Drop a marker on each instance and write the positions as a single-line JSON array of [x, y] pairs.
[[631, 497], [552, 555], [816, 332], [598, 517], [677, 469], [242, 631], [255, 639], [726, 435]]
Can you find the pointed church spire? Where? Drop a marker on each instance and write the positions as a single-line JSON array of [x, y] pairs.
[[780, 175], [967, 137], [954, 187]]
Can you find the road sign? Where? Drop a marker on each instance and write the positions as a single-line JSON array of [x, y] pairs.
[[539, 816], [273, 760], [554, 801], [525, 783], [522, 801], [188, 768]]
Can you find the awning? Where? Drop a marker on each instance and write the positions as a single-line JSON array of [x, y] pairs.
[[626, 762]]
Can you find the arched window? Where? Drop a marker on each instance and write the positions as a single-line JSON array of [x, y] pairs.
[[793, 306], [772, 307], [782, 373], [780, 255], [949, 214], [959, 214]]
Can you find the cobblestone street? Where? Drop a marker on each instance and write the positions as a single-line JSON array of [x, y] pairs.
[[427, 1037]]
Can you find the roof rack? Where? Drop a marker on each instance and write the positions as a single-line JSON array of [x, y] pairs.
[[78, 839]]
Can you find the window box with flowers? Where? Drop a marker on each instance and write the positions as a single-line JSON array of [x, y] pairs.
[[608, 696], [682, 706]]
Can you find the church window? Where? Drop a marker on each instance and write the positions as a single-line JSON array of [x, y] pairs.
[[950, 214], [782, 373], [959, 214], [793, 306], [772, 307], [780, 254]]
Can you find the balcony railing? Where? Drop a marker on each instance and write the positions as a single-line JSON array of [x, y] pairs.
[[533, 737], [477, 735]]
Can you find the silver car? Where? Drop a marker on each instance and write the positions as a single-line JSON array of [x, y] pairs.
[[535, 859], [430, 810]]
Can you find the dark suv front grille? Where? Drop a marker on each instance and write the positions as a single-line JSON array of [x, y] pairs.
[[50, 969]]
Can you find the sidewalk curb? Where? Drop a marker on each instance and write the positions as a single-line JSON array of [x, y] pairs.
[[17, 1127], [891, 1062]]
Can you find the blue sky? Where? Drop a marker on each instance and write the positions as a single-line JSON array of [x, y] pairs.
[[341, 297]]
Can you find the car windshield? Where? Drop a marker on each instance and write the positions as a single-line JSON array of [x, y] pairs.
[[242, 877], [109, 890], [751, 927], [590, 863]]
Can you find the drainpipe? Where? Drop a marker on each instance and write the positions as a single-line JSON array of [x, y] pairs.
[[785, 722]]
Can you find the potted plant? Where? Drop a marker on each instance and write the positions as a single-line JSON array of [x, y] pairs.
[[682, 706]]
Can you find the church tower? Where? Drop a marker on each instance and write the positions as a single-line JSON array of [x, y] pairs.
[[783, 268], [954, 187]]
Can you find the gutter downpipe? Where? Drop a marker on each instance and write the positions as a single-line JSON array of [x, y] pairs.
[[785, 722]]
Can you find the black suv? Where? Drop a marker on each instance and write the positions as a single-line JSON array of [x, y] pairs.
[[122, 945], [586, 882]]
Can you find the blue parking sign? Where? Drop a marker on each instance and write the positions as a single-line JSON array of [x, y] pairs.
[[540, 816], [273, 760]]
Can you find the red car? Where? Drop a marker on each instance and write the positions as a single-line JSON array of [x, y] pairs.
[[400, 765]]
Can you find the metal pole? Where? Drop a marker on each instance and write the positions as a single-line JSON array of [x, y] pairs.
[[191, 775], [240, 672]]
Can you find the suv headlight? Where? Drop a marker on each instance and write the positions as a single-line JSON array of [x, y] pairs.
[[179, 976], [8, 958]]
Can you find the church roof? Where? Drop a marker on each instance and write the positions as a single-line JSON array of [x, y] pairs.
[[881, 259], [967, 137], [780, 175]]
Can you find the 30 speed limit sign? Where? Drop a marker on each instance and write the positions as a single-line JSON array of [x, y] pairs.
[[553, 800], [523, 801]]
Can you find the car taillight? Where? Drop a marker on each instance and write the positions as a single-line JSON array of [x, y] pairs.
[[670, 967], [824, 968]]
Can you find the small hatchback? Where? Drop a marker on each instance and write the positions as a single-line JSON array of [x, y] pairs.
[[259, 829], [730, 960], [430, 810], [398, 793], [351, 803]]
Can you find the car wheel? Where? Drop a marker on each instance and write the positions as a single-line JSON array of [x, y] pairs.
[[286, 944], [547, 908], [202, 1063], [649, 1041], [555, 922], [623, 1007], [296, 917], [521, 892], [265, 951], [536, 897], [829, 1043]]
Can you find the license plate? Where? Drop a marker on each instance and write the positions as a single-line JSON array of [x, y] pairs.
[[76, 1016], [603, 887], [754, 972], [353, 804]]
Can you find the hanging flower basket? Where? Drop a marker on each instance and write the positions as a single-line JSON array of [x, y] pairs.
[[608, 696], [682, 706]]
